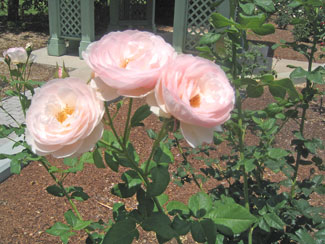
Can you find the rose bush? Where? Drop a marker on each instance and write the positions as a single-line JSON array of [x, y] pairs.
[[64, 118], [197, 92], [128, 62]]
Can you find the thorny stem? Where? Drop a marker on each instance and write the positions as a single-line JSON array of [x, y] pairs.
[[160, 136], [4, 110], [127, 128], [303, 116], [142, 175], [242, 129], [185, 159], [60, 184], [135, 165]]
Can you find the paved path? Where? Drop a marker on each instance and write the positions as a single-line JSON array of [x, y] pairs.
[[82, 71]]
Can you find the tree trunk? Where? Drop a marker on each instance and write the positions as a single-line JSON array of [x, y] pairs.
[[13, 10]]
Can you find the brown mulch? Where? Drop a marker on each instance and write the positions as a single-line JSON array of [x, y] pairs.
[[283, 53], [27, 210]]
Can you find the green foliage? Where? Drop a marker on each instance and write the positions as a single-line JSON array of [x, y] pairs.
[[245, 206]]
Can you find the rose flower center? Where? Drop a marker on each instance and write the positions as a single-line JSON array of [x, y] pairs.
[[195, 101], [63, 114], [124, 63]]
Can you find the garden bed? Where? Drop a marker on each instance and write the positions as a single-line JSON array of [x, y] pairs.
[[27, 210]]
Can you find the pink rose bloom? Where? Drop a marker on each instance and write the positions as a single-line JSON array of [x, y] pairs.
[[197, 92], [64, 118], [128, 62], [16, 54]]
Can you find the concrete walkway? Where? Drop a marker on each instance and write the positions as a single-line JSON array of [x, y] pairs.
[[81, 70]]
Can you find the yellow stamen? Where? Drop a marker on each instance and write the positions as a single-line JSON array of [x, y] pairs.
[[195, 101], [63, 114], [124, 63]]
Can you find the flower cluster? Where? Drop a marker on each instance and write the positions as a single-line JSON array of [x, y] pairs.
[[64, 117]]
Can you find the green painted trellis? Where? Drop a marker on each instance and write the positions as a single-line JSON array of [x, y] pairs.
[[73, 21], [191, 21], [132, 14]]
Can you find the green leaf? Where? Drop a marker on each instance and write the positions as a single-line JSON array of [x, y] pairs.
[[110, 161], [266, 5], [145, 204], [264, 29], [130, 160], [277, 153], [209, 230], [197, 232], [109, 138], [182, 227], [152, 135], [277, 91], [139, 115], [219, 21], [15, 166], [248, 81], [254, 91], [79, 194], [55, 191], [298, 73], [65, 236], [80, 224], [87, 157], [132, 178], [251, 22], [70, 217], [58, 229], [294, 4], [124, 191], [248, 163], [98, 160], [209, 38], [200, 204], [304, 237], [231, 218], [176, 207], [122, 232], [160, 180], [315, 77], [159, 223], [70, 161], [274, 221], [248, 8], [288, 85], [163, 156]]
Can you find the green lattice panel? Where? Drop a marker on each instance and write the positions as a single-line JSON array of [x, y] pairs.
[[198, 13], [133, 10], [70, 18]]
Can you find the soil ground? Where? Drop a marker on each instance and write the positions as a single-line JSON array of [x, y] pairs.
[[27, 210]]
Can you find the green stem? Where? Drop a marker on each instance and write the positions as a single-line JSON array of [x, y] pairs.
[[111, 124], [185, 159], [110, 146], [127, 127], [60, 184], [144, 178], [250, 235], [302, 125], [303, 116], [160, 136], [5, 111]]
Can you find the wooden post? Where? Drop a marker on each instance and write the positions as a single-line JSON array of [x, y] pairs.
[[87, 25], [180, 24], [56, 45]]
